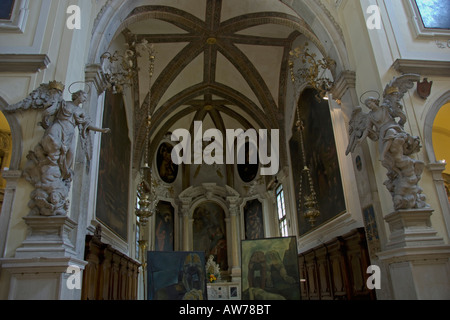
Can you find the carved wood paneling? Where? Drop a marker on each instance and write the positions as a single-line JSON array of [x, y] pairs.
[[109, 274], [336, 270]]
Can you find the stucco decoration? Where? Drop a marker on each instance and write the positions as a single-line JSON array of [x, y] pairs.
[[49, 165], [385, 123]]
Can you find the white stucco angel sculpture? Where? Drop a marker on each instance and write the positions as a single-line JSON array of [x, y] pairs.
[[49, 165], [395, 145]]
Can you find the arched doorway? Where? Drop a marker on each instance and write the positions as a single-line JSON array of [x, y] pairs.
[[5, 151], [441, 141]]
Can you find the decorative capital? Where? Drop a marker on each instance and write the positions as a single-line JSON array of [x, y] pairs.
[[345, 81], [94, 74]]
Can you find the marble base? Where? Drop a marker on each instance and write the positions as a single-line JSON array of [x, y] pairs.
[[45, 267], [418, 260]]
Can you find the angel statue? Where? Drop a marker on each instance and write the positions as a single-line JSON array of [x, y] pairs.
[[49, 165], [395, 145]]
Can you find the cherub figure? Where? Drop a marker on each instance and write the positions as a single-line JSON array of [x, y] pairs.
[[395, 145]]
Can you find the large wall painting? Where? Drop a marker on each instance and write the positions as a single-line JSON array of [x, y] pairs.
[[253, 220], [209, 232], [270, 269], [164, 226], [114, 167], [321, 157], [176, 276]]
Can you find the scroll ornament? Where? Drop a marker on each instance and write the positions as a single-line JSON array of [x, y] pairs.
[[49, 165], [385, 124]]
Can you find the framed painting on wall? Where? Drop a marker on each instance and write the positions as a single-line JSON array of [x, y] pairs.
[[114, 168], [253, 219], [167, 170], [164, 226], [209, 232], [176, 276], [248, 170], [270, 269]]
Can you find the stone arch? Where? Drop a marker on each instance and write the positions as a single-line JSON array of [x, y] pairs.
[[16, 135], [428, 125], [193, 197], [434, 166], [12, 176]]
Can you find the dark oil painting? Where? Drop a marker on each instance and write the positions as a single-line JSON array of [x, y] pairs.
[[164, 227], [209, 231], [114, 167], [176, 276], [253, 218], [248, 170], [166, 168]]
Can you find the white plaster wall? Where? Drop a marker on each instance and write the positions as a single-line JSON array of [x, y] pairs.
[[45, 33]]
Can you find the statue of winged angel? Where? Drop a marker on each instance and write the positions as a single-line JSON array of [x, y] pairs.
[[384, 123], [49, 165]]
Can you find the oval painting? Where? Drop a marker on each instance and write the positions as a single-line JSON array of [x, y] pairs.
[[248, 170], [166, 168]]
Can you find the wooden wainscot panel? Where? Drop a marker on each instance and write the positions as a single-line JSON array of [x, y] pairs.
[[109, 274], [336, 270]]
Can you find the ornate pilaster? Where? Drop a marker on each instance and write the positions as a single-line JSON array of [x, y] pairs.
[[233, 202], [187, 223]]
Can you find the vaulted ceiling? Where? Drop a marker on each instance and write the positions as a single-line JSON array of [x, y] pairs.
[[220, 62]]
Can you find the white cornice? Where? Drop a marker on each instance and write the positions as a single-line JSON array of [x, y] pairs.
[[423, 67], [23, 62]]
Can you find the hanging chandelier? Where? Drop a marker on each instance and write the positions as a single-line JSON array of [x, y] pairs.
[[147, 198], [307, 203], [120, 69]]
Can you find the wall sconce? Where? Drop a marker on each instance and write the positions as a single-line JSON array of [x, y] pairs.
[[121, 69], [312, 70]]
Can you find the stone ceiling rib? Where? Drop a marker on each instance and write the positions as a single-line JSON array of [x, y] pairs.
[[210, 37]]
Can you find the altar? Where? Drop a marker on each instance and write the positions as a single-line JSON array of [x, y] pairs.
[[222, 290]]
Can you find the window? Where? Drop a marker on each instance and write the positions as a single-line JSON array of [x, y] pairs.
[[6, 9], [281, 209], [435, 14], [138, 236], [14, 14], [429, 18]]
